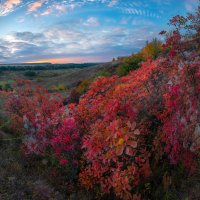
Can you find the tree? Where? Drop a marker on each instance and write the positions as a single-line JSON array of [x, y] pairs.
[[152, 49]]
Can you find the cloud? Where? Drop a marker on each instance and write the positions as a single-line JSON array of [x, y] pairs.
[[59, 9], [141, 12], [65, 41], [80, 37], [91, 21], [46, 7], [191, 5], [4, 52], [113, 3], [8, 6], [28, 36], [33, 7], [139, 8], [138, 22]]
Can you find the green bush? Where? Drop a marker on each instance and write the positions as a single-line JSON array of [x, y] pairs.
[[103, 73], [30, 73], [130, 63]]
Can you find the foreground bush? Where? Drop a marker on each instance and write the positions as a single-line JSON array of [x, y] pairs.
[[48, 130], [145, 122], [141, 120]]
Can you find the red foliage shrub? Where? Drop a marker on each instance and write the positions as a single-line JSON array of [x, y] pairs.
[[35, 112], [117, 115], [49, 129], [66, 146], [126, 119]]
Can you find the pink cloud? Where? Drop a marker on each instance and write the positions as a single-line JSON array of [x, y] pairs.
[[9, 6], [56, 7], [46, 12], [12, 3], [33, 7]]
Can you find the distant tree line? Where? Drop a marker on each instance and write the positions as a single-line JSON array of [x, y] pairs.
[[45, 67]]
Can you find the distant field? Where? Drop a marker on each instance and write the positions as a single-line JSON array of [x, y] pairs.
[[59, 79], [47, 78]]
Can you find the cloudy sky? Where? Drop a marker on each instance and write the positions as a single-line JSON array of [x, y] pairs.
[[62, 31]]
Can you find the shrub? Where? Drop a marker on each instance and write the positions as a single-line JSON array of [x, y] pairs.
[[30, 73], [39, 79], [130, 121], [48, 129], [66, 147], [143, 123], [59, 87], [152, 49], [73, 97], [130, 63], [79, 90], [103, 73]]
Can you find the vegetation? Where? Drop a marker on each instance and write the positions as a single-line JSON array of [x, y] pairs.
[[48, 66], [151, 51], [130, 63], [130, 137], [30, 73], [79, 90]]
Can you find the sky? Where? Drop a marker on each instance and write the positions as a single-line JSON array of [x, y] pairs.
[[77, 31]]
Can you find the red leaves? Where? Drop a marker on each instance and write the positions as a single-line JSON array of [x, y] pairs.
[[129, 151], [137, 132], [159, 100], [162, 32], [63, 162], [45, 123], [65, 141], [132, 143]]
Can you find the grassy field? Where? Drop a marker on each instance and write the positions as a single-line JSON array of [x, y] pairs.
[[62, 79]]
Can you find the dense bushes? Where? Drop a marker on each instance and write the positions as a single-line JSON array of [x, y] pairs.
[[130, 63], [30, 74], [130, 136], [48, 129], [79, 90], [135, 122], [138, 124], [152, 50]]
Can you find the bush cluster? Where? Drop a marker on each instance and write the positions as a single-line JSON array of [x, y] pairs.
[[127, 135]]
